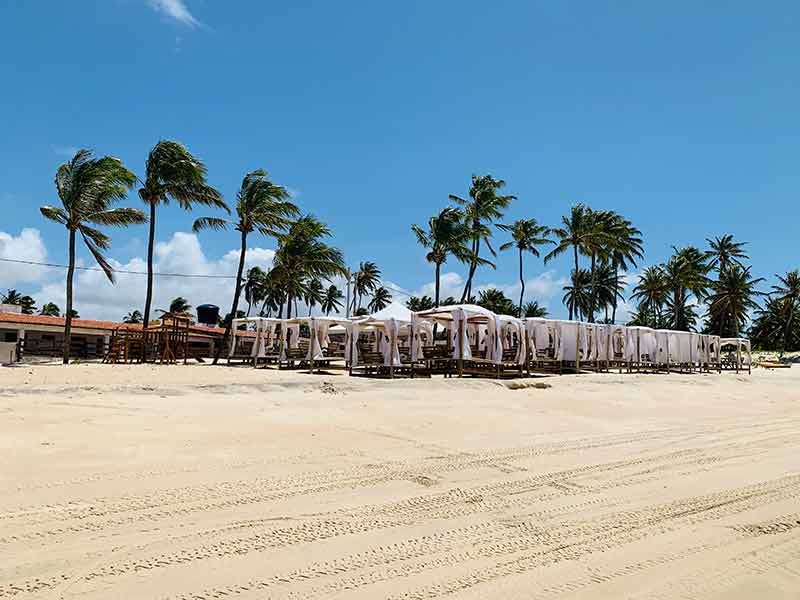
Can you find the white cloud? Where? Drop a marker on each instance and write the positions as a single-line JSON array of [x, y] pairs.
[[96, 298], [450, 284], [175, 9], [28, 245], [542, 288]]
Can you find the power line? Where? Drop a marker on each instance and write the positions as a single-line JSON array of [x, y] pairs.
[[125, 271]]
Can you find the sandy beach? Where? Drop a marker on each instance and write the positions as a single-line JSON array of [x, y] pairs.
[[200, 482]]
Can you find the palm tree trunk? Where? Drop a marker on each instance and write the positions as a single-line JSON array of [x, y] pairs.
[[148, 299], [473, 265], [237, 291], [68, 319], [522, 283], [592, 296], [436, 299], [786, 332], [616, 287]]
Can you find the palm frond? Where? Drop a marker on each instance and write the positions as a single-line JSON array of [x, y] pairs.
[[212, 223]]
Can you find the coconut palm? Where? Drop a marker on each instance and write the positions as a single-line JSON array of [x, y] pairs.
[[88, 187], [418, 304], [651, 292], [732, 296], [314, 294], [724, 253], [769, 330], [262, 206], [254, 287], [27, 303], [332, 300], [381, 298], [172, 174], [534, 309], [134, 317], [274, 294], [50, 309], [787, 292], [179, 306], [445, 235], [581, 233], [485, 206], [302, 255], [526, 236], [577, 295], [365, 281], [496, 301], [625, 250], [686, 274], [607, 287]]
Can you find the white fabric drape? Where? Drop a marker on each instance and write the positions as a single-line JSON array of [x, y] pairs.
[[460, 325], [419, 327], [317, 330], [257, 341], [390, 347], [351, 344]]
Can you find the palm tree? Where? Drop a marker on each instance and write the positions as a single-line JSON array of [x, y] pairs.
[[365, 281], [73, 314], [179, 306], [302, 256], [88, 187], [254, 287], [274, 296], [314, 294], [27, 303], [608, 288], [50, 310], [332, 300], [484, 207], [534, 309], [526, 235], [578, 295], [446, 234], [381, 298], [260, 205], [496, 301], [626, 249], [172, 173], [787, 292], [724, 252], [418, 304], [651, 292], [134, 317], [580, 232], [686, 273], [730, 300]]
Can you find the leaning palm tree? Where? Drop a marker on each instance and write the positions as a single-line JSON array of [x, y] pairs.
[[260, 205], [445, 235], [526, 236], [732, 296], [332, 300], [787, 292], [365, 281], [179, 305], [88, 187], [724, 252], [172, 173], [485, 206], [381, 298]]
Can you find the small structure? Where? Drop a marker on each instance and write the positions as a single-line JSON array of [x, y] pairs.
[[738, 354]]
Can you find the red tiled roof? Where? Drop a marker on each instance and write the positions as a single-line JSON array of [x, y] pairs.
[[7, 317]]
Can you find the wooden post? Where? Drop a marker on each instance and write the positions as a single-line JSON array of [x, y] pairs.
[[460, 350], [638, 349], [668, 354], [577, 347], [391, 355], [411, 345], [738, 355]]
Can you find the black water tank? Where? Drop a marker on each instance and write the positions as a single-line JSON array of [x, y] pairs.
[[208, 314]]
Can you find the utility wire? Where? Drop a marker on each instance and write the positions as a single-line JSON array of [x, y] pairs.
[[43, 264]]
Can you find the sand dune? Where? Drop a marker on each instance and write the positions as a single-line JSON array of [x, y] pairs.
[[202, 482]]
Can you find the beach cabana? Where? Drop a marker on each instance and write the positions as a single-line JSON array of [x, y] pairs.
[[643, 347], [305, 341], [573, 346], [738, 354], [543, 342], [479, 342]]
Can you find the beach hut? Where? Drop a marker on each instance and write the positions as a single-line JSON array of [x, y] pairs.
[[738, 354], [305, 341], [642, 347], [543, 343], [573, 343], [479, 342]]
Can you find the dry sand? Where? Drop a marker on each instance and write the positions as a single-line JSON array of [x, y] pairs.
[[204, 482]]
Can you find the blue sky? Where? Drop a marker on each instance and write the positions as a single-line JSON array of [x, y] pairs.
[[682, 116]]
